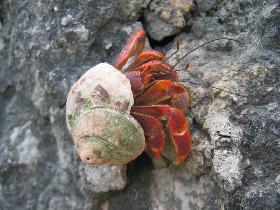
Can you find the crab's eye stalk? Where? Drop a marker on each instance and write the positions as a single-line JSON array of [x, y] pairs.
[[98, 117]]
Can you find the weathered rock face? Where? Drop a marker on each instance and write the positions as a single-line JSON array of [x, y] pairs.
[[45, 46], [166, 18]]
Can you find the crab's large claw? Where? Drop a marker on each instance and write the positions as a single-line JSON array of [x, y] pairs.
[[177, 127], [134, 45], [162, 91], [158, 70], [145, 56]]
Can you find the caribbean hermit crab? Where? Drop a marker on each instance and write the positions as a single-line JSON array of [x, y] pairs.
[[116, 112]]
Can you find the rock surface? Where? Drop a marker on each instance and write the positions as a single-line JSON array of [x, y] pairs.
[[166, 18], [45, 46]]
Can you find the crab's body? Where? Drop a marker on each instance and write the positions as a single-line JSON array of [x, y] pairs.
[[157, 94]]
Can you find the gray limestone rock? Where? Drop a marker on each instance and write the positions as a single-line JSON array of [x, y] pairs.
[[45, 46], [165, 18], [97, 179]]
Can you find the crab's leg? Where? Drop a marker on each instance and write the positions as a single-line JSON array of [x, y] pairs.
[[167, 91], [177, 126], [153, 131], [134, 45], [145, 56]]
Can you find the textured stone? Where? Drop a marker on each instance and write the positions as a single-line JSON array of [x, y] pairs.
[[45, 46], [166, 18], [97, 179], [227, 166], [240, 131]]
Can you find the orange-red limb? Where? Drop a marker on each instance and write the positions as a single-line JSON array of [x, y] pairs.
[[180, 133], [134, 45], [145, 56], [157, 93], [159, 70], [177, 125], [166, 91], [153, 133], [181, 97]]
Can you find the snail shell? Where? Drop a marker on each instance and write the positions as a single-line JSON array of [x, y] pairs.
[[98, 117]]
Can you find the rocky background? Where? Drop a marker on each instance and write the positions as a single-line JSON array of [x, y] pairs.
[[47, 45]]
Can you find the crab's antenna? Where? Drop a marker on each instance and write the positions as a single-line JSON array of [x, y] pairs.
[[177, 50], [184, 56], [213, 40], [199, 46]]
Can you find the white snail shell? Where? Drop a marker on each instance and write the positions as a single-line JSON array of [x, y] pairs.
[[98, 117]]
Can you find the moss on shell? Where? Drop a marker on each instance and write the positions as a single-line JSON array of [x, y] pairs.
[[88, 104], [74, 119]]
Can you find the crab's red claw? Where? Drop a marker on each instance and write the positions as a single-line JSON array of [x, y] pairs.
[[134, 45], [157, 93], [145, 56], [165, 90], [153, 133], [159, 70], [177, 127]]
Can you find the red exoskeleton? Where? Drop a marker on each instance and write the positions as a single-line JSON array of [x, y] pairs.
[[158, 96]]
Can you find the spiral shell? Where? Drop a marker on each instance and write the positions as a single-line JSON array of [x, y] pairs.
[[98, 117]]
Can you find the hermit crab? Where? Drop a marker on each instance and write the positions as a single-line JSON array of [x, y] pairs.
[[115, 112]]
